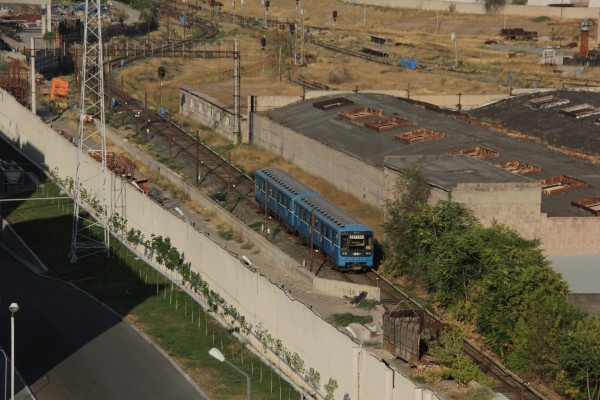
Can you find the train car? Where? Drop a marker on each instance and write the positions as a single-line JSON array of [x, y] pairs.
[[339, 236], [284, 191]]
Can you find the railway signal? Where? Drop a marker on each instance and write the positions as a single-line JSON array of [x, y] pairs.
[[161, 75]]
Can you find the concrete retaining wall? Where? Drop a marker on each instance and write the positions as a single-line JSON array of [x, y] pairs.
[[264, 103], [479, 8], [514, 204], [321, 345], [209, 112]]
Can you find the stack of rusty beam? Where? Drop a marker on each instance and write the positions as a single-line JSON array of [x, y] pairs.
[[121, 166], [16, 82]]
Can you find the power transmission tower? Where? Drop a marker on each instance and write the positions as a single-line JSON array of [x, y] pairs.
[[299, 35], [91, 234]]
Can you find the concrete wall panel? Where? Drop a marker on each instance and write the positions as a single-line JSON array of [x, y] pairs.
[[320, 344], [478, 8], [570, 235], [345, 172]]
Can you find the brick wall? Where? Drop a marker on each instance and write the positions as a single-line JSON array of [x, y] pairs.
[[514, 204], [563, 236]]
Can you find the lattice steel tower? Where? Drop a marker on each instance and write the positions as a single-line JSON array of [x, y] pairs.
[[299, 35], [91, 234]]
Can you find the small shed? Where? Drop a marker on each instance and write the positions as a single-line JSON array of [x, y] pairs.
[[403, 328]]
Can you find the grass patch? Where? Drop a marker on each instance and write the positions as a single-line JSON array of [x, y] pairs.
[[145, 297], [226, 234], [368, 304], [346, 319], [540, 19]]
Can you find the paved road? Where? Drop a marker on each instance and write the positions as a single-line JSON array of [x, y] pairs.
[[68, 346]]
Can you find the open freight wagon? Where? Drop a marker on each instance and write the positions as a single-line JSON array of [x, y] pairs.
[[407, 330]]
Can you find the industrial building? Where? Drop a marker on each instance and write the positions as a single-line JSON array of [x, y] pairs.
[[522, 173]]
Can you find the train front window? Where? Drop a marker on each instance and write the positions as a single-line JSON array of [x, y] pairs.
[[357, 241]]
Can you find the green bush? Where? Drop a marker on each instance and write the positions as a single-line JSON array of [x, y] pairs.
[[346, 319], [479, 393], [542, 18]]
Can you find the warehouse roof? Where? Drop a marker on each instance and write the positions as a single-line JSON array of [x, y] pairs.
[[447, 171], [370, 127], [531, 115]]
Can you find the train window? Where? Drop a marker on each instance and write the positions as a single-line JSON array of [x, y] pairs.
[[303, 214], [344, 241], [270, 192], [356, 241], [261, 184], [281, 199]]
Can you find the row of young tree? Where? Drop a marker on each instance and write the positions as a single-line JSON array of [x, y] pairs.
[[497, 282]]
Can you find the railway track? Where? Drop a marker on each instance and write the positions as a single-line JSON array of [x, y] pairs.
[[224, 178], [510, 385]]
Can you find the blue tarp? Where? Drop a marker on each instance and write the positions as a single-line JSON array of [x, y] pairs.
[[410, 64]]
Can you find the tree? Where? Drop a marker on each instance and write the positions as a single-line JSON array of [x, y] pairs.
[[578, 353], [493, 6], [411, 191], [520, 284], [454, 275]]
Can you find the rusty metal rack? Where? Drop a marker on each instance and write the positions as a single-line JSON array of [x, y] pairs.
[[419, 135], [561, 184]]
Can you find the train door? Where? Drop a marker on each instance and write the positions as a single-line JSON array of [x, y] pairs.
[[259, 189]]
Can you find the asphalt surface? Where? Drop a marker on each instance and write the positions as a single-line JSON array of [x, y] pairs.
[[69, 346]]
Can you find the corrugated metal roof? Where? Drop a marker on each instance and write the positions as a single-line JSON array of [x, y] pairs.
[[330, 211], [286, 180]]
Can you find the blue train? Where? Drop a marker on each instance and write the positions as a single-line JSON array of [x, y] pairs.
[[337, 234]]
